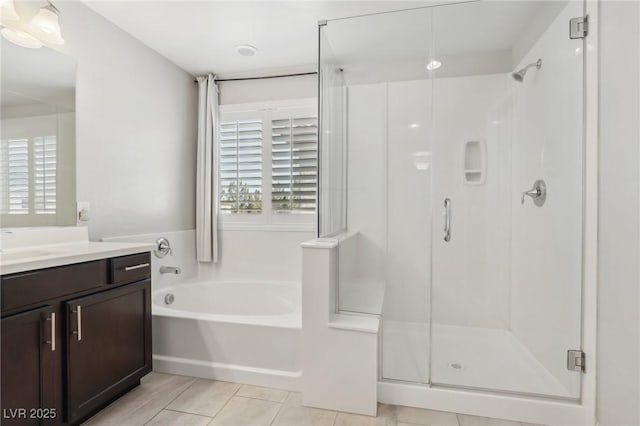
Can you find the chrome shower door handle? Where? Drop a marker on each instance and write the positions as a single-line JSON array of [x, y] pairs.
[[447, 219]]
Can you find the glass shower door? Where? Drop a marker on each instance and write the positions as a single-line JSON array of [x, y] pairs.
[[384, 255], [406, 311], [507, 174]]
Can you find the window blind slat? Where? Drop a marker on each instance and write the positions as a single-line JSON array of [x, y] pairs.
[[294, 164], [45, 160], [241, 166], [28, 177], [15, 177]]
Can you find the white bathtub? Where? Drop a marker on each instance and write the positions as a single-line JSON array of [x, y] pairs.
[[245, 332]]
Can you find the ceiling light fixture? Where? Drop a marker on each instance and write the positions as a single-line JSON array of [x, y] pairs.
[[21, 38], [246, 50], [46, 25], [8, 11], [434, 65], [43, 28]]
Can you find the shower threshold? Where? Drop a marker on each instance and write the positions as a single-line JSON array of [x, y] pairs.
[[465, 357]]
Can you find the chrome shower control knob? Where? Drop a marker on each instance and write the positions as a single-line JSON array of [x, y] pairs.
[[538, 193], [163, 247]]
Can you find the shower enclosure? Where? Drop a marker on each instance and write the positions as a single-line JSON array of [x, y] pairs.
[[452, 173]]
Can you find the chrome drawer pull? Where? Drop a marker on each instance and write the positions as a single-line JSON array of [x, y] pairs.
[[134, 267], [78, 312], [52, 342]]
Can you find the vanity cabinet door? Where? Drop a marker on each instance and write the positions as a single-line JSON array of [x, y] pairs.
[[109, 346], [29, 353]]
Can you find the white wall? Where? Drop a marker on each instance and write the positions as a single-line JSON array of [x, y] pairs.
[[470, 284], [366, 198], [258, 256], [271, 89], [408, 191], [136, 129], [618, 399]]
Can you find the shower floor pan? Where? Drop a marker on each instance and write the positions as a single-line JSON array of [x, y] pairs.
[[469, 357]]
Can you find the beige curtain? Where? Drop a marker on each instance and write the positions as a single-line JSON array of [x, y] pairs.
[[206, 171]]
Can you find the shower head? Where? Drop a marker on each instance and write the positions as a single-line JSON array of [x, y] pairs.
[[519, 75]]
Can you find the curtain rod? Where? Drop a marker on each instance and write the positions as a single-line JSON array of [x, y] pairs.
[[265, 77]]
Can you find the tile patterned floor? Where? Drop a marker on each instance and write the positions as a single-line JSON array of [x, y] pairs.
[[168, 400]]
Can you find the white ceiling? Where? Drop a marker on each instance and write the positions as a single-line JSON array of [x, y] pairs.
[[473, 38], [199, 36]]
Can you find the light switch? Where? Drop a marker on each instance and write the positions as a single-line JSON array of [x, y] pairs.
[[83, 211]]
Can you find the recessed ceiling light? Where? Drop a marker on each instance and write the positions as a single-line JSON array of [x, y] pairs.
[[246, 50], [434, 65], [414, 125]]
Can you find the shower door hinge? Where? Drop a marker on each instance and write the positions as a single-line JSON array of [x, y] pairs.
[[579, 27], [576, 361]]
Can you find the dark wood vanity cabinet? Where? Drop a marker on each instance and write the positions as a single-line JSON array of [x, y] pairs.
[[108, 346], [69, 353], [28, 365]]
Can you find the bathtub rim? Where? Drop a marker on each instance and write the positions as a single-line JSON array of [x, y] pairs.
[[291, 320]]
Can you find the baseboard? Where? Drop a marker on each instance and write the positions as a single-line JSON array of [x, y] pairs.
[[278, 379]]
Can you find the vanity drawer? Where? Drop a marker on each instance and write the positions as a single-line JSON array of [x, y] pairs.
[[130, 268], [27, 288]]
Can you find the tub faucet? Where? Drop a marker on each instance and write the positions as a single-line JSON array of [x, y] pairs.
[[170, 270]]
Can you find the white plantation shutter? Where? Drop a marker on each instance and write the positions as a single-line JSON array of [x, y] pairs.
[[294, 152], [241, 166], [15, 176], [44, 174], [268, 164], [28, 177]]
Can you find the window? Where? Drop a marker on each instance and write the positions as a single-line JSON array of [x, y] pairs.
[[28, 176], [241, 166], [294, 158], [268, 164]]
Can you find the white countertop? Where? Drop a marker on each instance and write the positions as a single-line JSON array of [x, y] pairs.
[[30, 249], [47, 256]]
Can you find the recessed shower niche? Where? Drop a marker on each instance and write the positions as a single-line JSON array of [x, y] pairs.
[[475, 163]]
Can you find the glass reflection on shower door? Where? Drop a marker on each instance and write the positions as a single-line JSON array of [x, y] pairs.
[[332, 141], [384, 59], [506, 286], [406, 312]]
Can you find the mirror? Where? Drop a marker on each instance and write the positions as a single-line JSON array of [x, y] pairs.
[[37, 149]]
